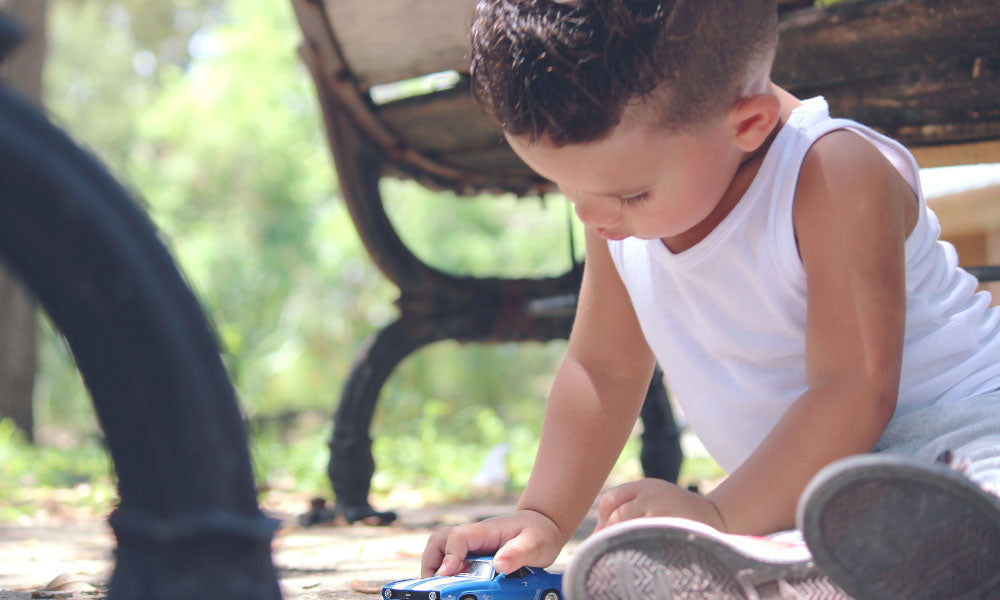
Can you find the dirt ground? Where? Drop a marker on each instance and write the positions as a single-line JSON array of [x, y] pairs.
[[322, 562]]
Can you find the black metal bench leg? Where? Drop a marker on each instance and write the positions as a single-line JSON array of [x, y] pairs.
[[351, 463], [661, 454], [188, 525]]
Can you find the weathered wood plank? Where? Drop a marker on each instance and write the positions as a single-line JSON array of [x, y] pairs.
[[391, 40], [499, 159], [444, 122], [924, 71]]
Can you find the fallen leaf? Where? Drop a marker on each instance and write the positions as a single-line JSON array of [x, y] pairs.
[[367, 587], [68, 583]]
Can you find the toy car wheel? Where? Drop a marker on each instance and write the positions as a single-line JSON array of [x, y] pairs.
[[468, 597], [550, 595]]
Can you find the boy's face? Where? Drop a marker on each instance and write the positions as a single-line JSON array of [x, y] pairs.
[[639, 181]]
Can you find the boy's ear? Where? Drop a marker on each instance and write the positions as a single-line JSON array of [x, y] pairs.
[[752, 120]]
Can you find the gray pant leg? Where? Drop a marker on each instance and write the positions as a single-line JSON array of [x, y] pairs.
[[969, 429]]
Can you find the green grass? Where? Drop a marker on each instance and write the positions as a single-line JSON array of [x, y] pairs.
[[420, 461], [82, 475]]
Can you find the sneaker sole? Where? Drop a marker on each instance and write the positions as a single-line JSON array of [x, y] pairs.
[[887, 528], [647, 559]]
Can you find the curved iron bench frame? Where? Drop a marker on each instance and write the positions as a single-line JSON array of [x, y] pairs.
[[188, 524], [434, 305]]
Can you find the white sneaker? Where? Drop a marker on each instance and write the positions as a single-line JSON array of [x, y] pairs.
[[890, 528], [678, 559]]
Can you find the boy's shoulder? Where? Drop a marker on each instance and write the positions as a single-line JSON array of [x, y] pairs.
[[844, 155], [843, 165], [850, 202]]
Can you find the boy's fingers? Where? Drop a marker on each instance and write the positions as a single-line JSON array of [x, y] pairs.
[[433, 553], [525, 548], [629, 510], [514, 541], [615, 497], [610, 501], [460, 541], [446, 549]]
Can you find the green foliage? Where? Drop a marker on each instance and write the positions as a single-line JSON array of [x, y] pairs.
[[24, 467], [60, 397], [291, 458], [424, 457], [485, 237], [237, 175]]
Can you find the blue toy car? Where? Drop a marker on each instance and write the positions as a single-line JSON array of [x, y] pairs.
[[480, 581]]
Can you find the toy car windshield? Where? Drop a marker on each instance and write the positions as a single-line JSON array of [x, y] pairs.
[[479, 580], [478, 568]]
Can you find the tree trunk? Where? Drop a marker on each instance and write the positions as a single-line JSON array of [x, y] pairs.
[[18, 319]]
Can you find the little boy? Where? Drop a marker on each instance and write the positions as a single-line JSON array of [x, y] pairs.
[[784, 270]]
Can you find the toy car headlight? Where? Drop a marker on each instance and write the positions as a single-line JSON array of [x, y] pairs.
[[432, 596], [387, 593]]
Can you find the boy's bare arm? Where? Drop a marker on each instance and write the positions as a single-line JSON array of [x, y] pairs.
[[594, 402], [852, 215], [595, 398]]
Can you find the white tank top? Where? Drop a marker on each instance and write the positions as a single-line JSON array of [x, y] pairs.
[[726, 318]]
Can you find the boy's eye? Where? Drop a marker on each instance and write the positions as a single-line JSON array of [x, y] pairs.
[[632, 200]]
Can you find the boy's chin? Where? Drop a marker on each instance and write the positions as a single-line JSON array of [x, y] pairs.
[[611, 235]]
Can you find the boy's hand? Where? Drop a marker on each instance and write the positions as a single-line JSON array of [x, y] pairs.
[[655, 498], [523, 538]]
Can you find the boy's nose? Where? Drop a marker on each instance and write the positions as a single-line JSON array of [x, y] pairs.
[[597, 213]]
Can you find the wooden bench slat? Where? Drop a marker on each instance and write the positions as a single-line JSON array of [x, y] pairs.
[[500, 160], [448, 121], [385, 41], [923, 71]]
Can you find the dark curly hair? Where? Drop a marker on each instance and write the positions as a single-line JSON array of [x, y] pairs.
[[567, 69]]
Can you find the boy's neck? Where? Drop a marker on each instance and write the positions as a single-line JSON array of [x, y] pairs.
[[749, 166]]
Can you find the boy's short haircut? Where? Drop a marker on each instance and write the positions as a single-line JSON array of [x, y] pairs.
[[567, 69]]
